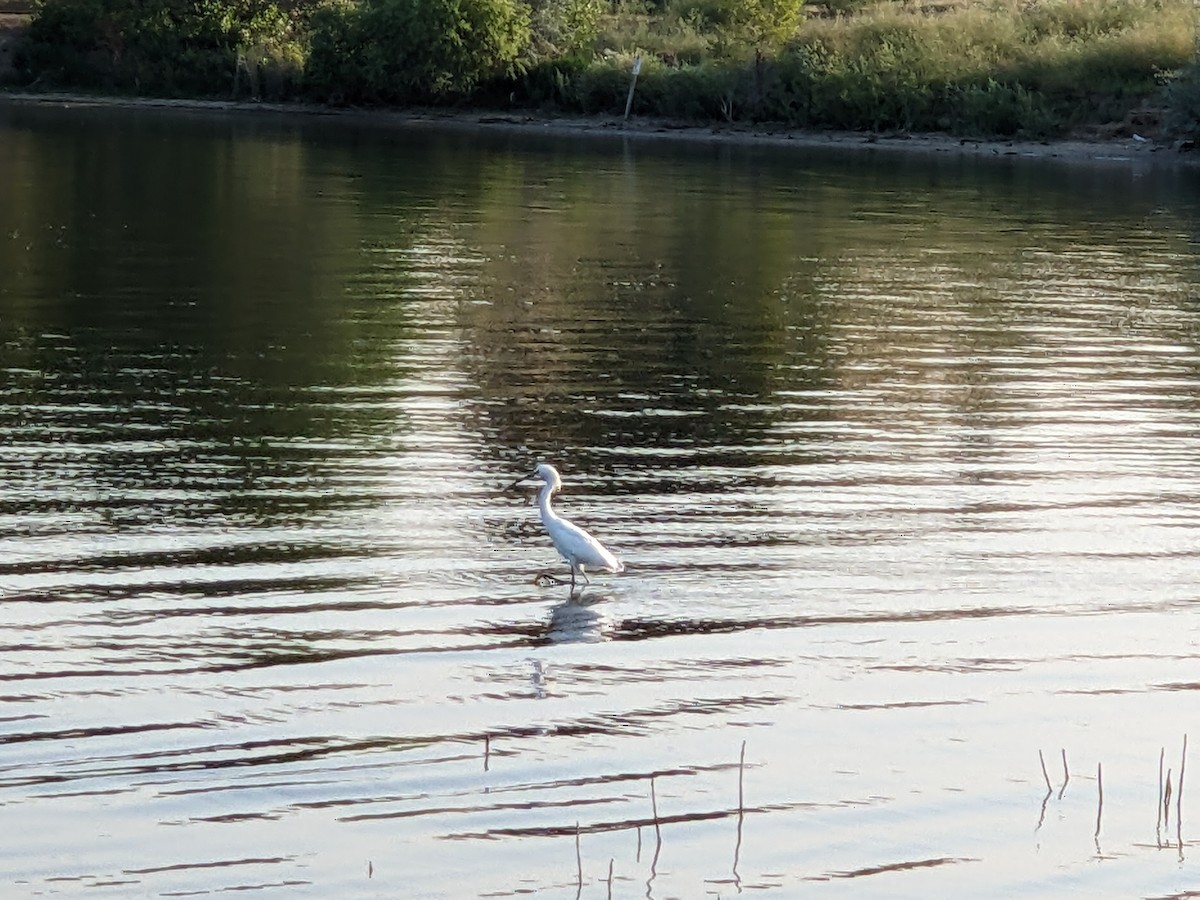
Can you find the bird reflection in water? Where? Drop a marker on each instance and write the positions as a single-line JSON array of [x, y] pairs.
[[537, 678], [580, 619]]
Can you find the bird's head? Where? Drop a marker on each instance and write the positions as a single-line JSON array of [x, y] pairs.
[[546, 472]]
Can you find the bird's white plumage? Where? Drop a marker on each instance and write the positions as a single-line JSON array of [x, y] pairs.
[[576, 546]]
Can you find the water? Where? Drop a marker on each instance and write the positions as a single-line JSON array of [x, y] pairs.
[[901, 456]]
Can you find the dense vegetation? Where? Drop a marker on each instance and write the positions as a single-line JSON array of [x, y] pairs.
[[970, 67]]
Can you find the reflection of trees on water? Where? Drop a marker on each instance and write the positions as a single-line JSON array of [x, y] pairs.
[[240, 303], [608, 336], [210, 308], [983, 317], [638, 316]]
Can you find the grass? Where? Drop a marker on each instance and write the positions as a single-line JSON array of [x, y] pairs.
[[989, 67]]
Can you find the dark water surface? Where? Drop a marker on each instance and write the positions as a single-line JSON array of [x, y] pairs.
[[903, 458]]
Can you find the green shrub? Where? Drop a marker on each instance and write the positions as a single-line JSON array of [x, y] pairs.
[[1183, 104], [553, 82], [674, 92], [708, 14], [765, 25], [688, 93], [335, 71], [400, 51], [602, 87], [1085, 18], [567, 27], [679, 36], [991, 109], [173, 47], [65, 43]]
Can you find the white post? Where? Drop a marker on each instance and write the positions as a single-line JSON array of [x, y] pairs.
[[637, 68]]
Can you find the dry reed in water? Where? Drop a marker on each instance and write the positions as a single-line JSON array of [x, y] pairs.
[[578, 859], [1158, 813], [741, 777], [1179, 800], [1167, 802], [654, 807], [1179, 786], [737, 847]]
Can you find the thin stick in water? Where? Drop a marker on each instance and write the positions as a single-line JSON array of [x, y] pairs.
[[1158, 813], [1045, 774], [1179, 785], [1179, 799], [1066, 774], [487, 750], [657, 843], [742, 775], [610, 867], [737, 847], [578, 858], [1167, 802], [1100, 803], [654, 807]]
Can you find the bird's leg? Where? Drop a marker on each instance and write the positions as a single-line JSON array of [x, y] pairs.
[[583, 572]]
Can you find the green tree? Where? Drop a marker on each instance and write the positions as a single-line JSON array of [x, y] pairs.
[[567, 27], [157, 46], [763, 25], [414, 50]]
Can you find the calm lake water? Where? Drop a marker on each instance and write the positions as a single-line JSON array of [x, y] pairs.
[[902, 456]]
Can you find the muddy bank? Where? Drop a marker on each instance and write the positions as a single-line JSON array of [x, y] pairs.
[[1135, 150]]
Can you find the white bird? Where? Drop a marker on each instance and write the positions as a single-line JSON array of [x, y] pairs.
[[574, 544]]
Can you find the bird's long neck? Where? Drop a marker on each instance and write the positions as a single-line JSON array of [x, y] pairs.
[[544, 495]]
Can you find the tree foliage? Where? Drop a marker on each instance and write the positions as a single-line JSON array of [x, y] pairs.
[[414, 50], [566, 27], [765, 25], [762, 26], [1183, 104], [156, 46]]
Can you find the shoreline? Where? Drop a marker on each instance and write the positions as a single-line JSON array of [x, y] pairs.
[[1124, 151]]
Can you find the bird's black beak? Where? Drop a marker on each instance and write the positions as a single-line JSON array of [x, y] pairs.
[[525, 477]]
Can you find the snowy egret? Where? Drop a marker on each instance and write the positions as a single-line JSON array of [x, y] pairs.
[[574, 544]]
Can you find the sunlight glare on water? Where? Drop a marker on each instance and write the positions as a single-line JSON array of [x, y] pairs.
[[901, 456]]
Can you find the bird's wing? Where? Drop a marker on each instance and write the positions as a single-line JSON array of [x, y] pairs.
[[586, 549]]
